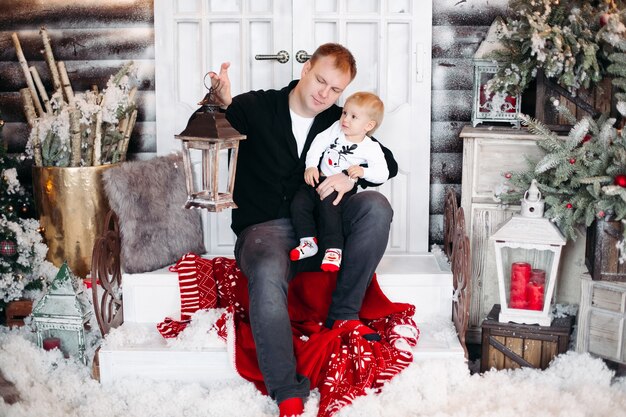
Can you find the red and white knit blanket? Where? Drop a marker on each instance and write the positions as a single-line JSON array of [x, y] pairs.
[[340, 363]]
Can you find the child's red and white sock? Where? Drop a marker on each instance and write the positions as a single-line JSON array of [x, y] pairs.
[[332, 260], [306, 249], [352, 325], [291, 407]]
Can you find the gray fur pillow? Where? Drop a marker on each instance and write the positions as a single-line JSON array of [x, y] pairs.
[[148, 198]]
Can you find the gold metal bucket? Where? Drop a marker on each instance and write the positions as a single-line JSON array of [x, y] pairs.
[[72, 205]]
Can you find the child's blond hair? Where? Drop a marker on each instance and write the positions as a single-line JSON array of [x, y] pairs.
[[372, 104]]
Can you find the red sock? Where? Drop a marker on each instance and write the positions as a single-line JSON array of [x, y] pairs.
[[366, 332], [291, 407]]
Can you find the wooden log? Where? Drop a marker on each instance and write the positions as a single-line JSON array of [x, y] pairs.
[[75, 140], [78, 13], [47, 49], [65, 83], [27, 75], [41, 89]]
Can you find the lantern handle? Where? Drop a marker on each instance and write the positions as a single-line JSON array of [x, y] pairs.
[[210, 87]]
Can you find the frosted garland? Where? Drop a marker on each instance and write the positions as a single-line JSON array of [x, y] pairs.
[[562, 38]]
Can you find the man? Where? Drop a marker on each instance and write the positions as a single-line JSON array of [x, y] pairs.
[[280, 126]]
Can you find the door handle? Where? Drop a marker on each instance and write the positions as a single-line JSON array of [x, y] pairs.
[[302, 56], [281, 56]]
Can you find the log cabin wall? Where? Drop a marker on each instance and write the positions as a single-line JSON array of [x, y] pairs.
[[96, 38], [459, 26]]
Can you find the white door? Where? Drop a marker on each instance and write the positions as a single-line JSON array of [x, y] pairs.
[[390, 39]]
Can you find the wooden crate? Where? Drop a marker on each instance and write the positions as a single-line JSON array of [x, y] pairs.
[[591, 101], [601, 326], [16, 311], [511, 345], [601, 254]]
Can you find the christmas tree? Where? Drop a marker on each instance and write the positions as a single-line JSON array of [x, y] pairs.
[[581, 177], [23, 267]]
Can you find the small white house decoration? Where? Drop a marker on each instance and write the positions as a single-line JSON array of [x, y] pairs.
[[491, 106], [61, 315], [528, 249]]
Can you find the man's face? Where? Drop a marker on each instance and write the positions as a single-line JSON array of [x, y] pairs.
[[320, 85]]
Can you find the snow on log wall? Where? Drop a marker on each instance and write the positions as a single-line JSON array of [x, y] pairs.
[[459, 26]]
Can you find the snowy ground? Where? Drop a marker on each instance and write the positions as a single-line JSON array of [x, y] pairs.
[[51, 386]]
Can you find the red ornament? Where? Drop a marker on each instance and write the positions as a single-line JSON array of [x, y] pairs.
[[508, 175], [572, 161], [620, 180], [569, 205], [587, 138], [604, 19], [601, 214], [8, 248]]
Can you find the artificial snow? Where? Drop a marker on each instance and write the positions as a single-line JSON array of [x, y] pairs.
[[575, 385]]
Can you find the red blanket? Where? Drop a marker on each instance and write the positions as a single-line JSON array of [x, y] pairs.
[[340, 363]]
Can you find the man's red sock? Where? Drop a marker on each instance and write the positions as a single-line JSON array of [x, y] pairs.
[[291, 407], [364, 331]]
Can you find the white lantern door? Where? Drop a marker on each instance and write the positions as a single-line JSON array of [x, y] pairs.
[[391, 41]]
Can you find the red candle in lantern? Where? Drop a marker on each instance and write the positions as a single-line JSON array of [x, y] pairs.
[[536, 289], [520, 276], [534, 296], [50, 343]]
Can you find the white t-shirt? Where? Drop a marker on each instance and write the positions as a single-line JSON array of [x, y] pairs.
[[300, 126], [340, 154]]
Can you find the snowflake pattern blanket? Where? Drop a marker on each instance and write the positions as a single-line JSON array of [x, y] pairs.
[[340, 363]]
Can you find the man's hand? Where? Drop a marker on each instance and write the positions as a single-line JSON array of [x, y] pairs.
[[355, 172], [311, 176], [338, 182], [221, 85]]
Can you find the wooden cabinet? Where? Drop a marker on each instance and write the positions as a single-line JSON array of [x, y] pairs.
[[488, 153], [602, 319]]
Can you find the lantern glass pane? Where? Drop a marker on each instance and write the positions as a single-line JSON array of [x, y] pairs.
[[70, 341], [527, 275]]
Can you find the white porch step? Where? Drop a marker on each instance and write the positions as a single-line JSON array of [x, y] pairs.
[[423, 280]]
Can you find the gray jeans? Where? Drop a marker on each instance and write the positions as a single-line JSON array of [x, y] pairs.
[[262, 253]]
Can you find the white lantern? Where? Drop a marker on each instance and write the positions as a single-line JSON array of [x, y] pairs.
[[61, 316], [528, 249]]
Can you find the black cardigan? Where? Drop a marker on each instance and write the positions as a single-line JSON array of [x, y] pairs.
[[269, 171]]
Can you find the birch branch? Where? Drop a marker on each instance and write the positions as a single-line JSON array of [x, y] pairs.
[[29, 108], [56, 81], [127, 133], [37, 146], [41, 89], [75, 142], [97, 140], [29, 80], [65, 83]]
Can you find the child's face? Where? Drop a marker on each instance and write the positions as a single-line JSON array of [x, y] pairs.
[[355, 120]]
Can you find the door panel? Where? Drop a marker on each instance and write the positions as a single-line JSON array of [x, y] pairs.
[[390, 40]]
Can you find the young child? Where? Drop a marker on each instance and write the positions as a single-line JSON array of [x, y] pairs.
[[345, 147]]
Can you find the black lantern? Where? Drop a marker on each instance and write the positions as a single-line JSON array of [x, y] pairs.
[[210, 133]]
